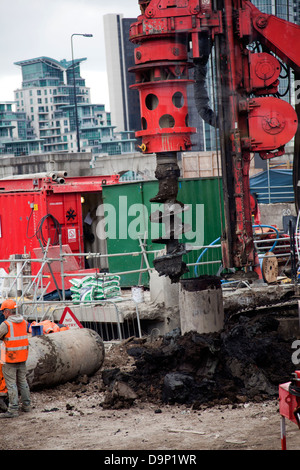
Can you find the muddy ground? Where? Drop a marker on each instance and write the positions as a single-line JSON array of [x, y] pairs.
[[175, 393], [71, 419]]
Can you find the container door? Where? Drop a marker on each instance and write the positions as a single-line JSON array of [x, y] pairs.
[[66, 209]]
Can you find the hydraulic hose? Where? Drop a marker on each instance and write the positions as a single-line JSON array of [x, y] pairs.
[[218, 239], [200, 89], [273, 228]]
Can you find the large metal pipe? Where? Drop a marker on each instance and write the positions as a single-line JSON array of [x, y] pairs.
[[54, 175], [62, 174], [60, 357]]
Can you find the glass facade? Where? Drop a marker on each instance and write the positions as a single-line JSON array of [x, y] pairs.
[[296, 11], [16, 134], [41, 73], [18, 148]]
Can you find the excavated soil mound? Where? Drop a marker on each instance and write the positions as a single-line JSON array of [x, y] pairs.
[[246, 361]]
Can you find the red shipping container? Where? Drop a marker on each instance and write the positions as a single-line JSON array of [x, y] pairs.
[[33, 209]]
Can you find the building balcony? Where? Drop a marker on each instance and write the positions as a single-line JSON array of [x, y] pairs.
[[61, 99], [54, 126], [91, 126], [51, 144], [49, 133], [61, 93]]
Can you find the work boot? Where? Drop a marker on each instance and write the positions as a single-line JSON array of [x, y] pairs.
[[3, 406], [9, 414], [26, 409]]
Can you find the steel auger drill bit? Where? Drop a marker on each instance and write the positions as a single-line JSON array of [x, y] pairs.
[[167, 172]]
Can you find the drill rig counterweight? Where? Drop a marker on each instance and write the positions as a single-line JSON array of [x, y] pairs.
[[171, 37]]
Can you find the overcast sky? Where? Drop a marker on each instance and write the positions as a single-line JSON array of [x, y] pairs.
[[34, 28]]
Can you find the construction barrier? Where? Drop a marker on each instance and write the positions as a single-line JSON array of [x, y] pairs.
[[96, 297]]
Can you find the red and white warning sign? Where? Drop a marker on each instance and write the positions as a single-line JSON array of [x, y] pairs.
[[69, 319], [71, 234]]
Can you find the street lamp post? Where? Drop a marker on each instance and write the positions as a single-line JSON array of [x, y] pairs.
[[74, 85]]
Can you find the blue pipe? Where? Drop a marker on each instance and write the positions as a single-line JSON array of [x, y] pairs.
[[201, 254], [275, 229]]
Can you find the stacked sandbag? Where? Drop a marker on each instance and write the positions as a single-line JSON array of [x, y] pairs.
[[91, 288]]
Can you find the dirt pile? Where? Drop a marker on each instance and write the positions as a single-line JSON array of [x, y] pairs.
[[246, 361]]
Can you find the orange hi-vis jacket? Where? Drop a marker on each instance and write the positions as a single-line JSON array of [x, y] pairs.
[[3, 389], [16, 343]]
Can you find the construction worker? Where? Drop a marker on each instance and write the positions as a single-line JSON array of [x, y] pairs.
[[13, 333]]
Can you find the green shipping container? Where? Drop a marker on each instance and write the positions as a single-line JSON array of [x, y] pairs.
[[127, 210]]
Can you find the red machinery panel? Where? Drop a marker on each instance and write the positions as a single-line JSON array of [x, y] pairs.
[[264, 72], [272, 124], [164, 114], [289, 404]]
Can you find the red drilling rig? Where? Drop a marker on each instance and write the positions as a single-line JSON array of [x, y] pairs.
[[171, 36]]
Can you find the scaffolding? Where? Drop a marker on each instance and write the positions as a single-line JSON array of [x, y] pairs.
[[105, 316]]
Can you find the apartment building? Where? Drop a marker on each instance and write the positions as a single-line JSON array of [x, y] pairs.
[[16, 134], [47, 96]]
